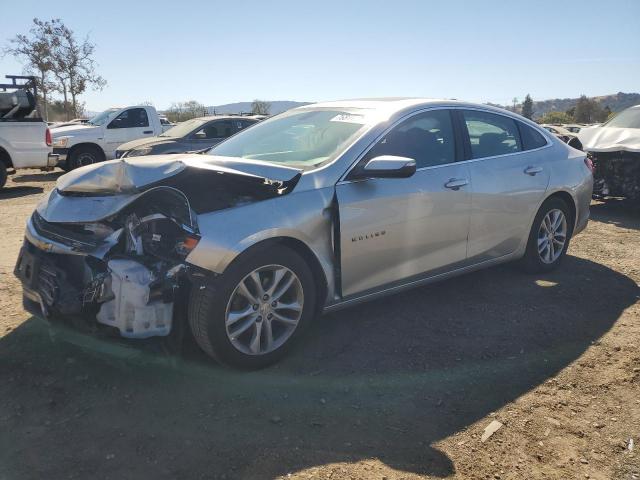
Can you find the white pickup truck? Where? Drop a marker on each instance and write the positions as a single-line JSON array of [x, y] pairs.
[[25, 140], [98, 139]]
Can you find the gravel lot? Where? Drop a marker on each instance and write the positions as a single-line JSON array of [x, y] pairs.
[[402, 387]]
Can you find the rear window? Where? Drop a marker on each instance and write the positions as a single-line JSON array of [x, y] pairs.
[[531, 138], [491, 134]]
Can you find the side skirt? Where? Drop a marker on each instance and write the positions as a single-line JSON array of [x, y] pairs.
[[391, 289]]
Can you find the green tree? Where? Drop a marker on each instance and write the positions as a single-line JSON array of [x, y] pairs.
[[260, 107], [555, 117], [607, 111], [181, 111], [585, 110], [527, 107], [74, 66]]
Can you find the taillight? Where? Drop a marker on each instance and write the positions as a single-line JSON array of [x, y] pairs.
[[588, 163], [47, 137]]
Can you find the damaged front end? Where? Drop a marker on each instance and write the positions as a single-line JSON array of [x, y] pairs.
[[108, 248], [616, 174]]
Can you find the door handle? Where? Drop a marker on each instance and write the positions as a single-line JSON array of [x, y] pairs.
[[456, 183], [147, 132], [532, 170]]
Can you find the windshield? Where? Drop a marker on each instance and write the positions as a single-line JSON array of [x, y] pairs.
[[629, 118], [183, 128], [303, 139], [103, 117]]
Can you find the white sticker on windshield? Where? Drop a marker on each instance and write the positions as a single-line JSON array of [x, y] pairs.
[[348, 118]]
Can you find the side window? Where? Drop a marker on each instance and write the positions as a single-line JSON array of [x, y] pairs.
[[134, 117], [427, 138], [531, 138], [217, 129], [491, 134], [210, 130]]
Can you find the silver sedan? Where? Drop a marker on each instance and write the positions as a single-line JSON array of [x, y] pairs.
[[316, 209]]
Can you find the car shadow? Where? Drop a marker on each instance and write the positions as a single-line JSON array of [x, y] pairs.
[[37, 177], [20, 191], [616, 211], [384, 380]]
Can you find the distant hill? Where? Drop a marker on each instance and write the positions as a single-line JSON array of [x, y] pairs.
[[616, 102], [277, 106]]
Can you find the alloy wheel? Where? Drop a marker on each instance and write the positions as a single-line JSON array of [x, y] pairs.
[[264, 310], [552, 236]]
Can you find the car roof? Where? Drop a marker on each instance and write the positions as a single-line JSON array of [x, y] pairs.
[[390, 106], [399, 103], [226, 117]]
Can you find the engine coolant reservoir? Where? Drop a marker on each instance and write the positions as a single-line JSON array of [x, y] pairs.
[[130, 311]]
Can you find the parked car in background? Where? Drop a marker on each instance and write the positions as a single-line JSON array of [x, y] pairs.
[[318, 208], [614, 147], [573, 127], [25, 139], [195, 134], [560, 132], [97, 140], [164, 121]]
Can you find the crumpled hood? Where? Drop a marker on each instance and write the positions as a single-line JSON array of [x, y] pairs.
[[132, 175], [74, 130], [610, 139]]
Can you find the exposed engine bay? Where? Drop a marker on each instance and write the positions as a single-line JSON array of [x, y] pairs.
[[125, 266]]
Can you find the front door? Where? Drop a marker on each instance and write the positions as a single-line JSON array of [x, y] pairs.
[[130, 124], [394, 229]]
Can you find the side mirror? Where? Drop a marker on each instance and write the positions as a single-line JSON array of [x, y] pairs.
[[387, 166]]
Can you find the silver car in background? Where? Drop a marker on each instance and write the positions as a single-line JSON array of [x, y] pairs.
[[318, 208]]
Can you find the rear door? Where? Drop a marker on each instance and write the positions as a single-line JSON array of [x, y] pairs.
[[392, 229], [509, 180]]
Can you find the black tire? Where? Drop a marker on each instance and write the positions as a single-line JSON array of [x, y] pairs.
[[3, 174], [83, 155], [207, 306], [532, 261]]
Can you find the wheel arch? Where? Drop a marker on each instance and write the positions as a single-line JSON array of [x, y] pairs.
[[75, 147], [568, 199], [301, 249]]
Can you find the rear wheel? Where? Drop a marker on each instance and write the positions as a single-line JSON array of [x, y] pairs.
[[549, 237], [254, 313], [84, 155]]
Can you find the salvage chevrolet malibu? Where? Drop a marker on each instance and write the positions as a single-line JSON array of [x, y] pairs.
[[318, 208]]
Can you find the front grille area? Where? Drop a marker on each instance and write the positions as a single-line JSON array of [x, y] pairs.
[[67, 234]]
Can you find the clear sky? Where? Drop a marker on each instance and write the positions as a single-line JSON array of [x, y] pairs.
[[226, 51]]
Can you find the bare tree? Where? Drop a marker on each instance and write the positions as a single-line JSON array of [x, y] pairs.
[[260, 107], [35, 50], [74, 66], [181, 111]]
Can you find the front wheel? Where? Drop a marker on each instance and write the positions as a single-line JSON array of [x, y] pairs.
[[549, 237], [254, 313], [82, 156]]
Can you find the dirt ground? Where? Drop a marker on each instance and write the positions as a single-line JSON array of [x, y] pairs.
[[402, 387]]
